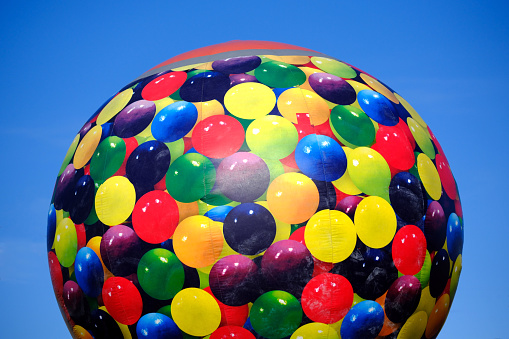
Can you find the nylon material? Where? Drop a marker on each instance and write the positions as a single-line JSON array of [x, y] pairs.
[[212, 238], [328, 197], [84, 150], [330, 236], [226, 55], [414, 326]]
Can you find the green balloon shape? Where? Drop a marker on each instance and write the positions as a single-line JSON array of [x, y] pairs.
[[279, 74], [276, 314], [352, 126], [425, 271], [334, 67], [160, 274], [215, 198], [424, 274], [108, 158], [190, 177]]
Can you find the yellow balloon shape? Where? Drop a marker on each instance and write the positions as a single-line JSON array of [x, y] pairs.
[[414, 327], [250, 100], [162, 103], [69, 154], [369, 171], [357, 86], [206, 109], [195, 312], [81, 333], [297, 100], [198, 241], [114, 200], [337, 326], [294, 59], [315, 331], [66, 242], [308, 71], [345, 183], [293, 198], [377, 86], [411, 110], [272, 137], [375, 222], [426, 303], [455, 276], [87, 146], [330, 236], [226, 251], [422, 137], [114, 106], [438, 316], [429, 176]]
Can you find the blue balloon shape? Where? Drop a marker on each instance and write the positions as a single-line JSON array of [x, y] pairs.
[[237, 65], [148, 163], [82, 199], [249, 228], [219, 213], [174, 121], [364, 320], [157, 326], [454, 236], [205, 86], [89, 272], [102, 325], [52, 227], [439, 273], [378, 107], [277, 92], [107, 130], [320, 157], [408, 197]]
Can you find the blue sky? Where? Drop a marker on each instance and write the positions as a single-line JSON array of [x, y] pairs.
[[59, 61]]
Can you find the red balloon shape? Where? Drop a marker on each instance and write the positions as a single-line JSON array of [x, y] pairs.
[[57, 278], [298, 235], [130, 146], [327, 298], [218, 136], [122, 300], [409, 250], [163, 86], [228, 332], [81, 235], [321, 267], [231, 315], [392, 143], [304, 128], [445, 174], [155, 217], [404, 127], [435, 142]]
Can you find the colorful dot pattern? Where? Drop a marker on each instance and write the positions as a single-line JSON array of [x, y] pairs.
[[264, 195]]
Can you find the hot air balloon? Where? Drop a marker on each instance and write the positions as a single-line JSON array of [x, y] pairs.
[[255, 189]]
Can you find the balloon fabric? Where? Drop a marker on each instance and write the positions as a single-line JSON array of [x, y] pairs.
[[254, 189]]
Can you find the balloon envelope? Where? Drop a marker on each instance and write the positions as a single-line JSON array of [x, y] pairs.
[[255, 189]]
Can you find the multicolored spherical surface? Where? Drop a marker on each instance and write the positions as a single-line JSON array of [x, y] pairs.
[[255, 190]]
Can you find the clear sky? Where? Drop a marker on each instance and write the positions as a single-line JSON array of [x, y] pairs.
[[60, 60]]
